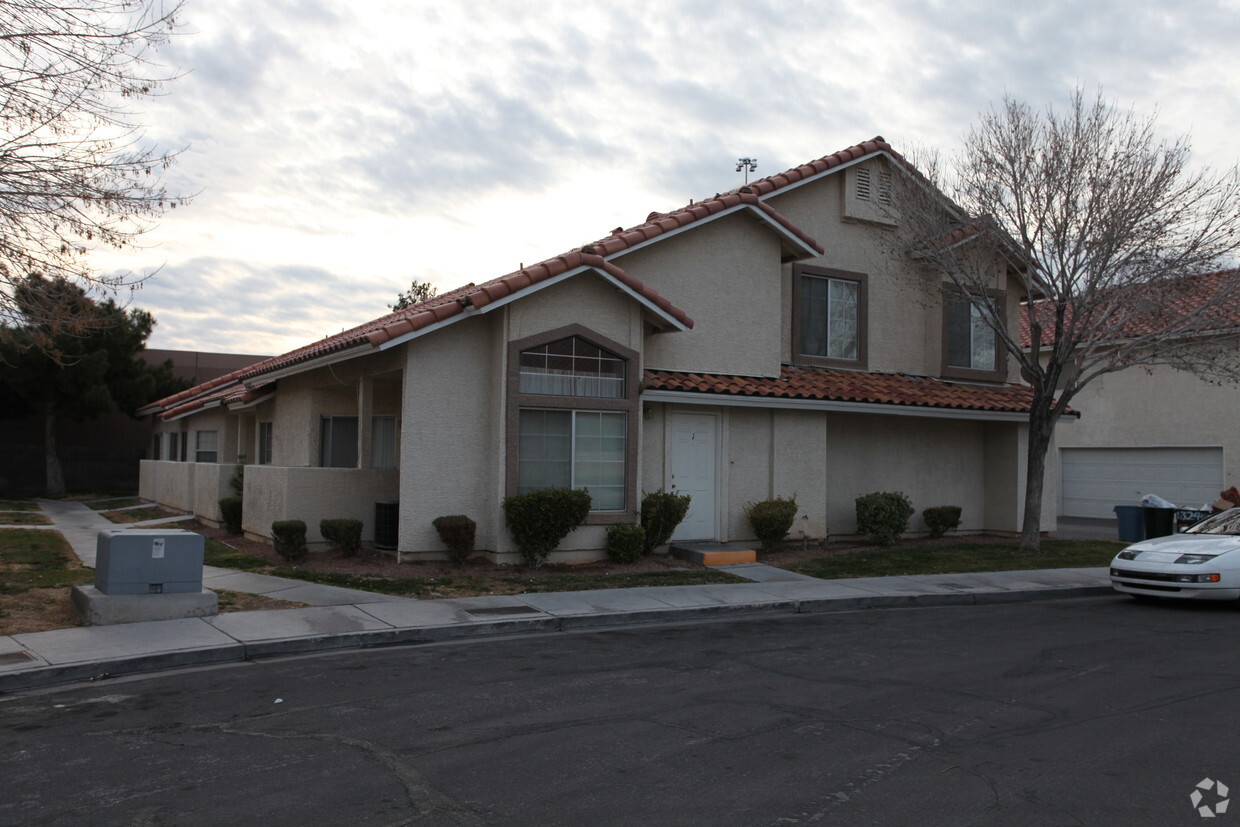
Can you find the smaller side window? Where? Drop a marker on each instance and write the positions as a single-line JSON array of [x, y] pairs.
[[156, 439], [383, 442], [264, 443], [207, 448]]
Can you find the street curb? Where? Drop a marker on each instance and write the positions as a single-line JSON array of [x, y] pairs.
[[44, 676]]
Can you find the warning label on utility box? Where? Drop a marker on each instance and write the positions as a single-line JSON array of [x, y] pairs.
[[157, 548]]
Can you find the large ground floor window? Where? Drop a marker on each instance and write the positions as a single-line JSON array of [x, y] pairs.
[[574, 449]]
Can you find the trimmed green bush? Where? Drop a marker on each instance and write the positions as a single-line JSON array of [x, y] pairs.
[[941, 518], [771, 520], [230, 510], [662, 511], [540, 520], [289, 537], [457, 532], [883, 516], [626, 542], [345, 535], [237, 481]]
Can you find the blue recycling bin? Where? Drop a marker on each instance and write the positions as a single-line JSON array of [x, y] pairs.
[[1131, 522]]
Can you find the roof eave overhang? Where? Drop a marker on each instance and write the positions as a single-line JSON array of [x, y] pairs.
[[828, 172], [795, 249], [360, 349], [878, 408], [665, 319]]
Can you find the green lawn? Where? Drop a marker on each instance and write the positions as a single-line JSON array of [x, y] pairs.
[[32, 559], [23, 518], [465, 585], [956, 558]]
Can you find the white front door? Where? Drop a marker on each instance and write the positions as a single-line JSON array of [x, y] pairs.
[[692, 471]]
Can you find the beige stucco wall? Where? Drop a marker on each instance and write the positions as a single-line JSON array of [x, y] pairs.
[[826, 460], [452, 445], [312, 494], [905, 313], [726, 275], [195, 487]]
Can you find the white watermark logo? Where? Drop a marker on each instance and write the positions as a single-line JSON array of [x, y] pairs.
[[1220, 796]]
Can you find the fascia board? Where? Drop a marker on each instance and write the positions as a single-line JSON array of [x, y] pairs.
[[670, 320], [809, 252], [215, 403], [690, 398], [260, 400], [309, 364]]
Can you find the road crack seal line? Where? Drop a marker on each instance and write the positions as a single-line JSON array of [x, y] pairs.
[[423, 797]]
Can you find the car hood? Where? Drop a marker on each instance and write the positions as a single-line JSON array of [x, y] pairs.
[[1190, 544]]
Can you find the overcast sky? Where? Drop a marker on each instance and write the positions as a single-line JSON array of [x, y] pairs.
[[341, 149]]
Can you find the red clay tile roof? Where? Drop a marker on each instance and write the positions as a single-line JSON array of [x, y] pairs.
[[374, 333], [765, 186], [657, 223], [1158, 307], [850, 386]]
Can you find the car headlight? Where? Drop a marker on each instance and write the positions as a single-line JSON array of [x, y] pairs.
[[1128, 554], [1194, 559]]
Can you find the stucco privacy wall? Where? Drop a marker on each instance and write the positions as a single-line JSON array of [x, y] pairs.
[[195, 487], [312, 494], [726, 274]]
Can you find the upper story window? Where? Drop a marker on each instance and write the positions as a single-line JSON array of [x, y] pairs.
[[829, 317], [970, 345], [338, 442], [571, 367]]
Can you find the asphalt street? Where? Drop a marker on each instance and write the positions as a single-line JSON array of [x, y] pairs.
[[1092, 711]]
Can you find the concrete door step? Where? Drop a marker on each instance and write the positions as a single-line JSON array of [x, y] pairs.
[[714, 554]]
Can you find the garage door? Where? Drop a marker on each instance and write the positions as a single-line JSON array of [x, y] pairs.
[[1097, 479]]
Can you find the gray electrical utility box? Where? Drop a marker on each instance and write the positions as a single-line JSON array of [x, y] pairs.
[[148, 561]]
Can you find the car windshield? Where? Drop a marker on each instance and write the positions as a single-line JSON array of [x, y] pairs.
[[1228, 522]]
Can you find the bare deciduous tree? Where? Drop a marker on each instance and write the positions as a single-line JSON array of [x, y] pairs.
[[1119, 245], [75, 174]]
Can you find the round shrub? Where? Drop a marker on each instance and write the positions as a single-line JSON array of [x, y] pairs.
[[941, 518], [883, 516], [771, 520], [289, 537], [230, 510], [457, 532], [662, 511], [625, 542], [345, 535], [540, 520]]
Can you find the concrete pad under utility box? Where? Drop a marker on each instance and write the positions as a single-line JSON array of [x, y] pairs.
[[99, 609]]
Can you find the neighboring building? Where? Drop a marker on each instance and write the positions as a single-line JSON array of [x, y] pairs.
[[759, 343], [100, 454], [1154, 430]]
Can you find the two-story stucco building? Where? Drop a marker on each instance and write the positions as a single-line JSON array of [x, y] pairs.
[[769, 341]]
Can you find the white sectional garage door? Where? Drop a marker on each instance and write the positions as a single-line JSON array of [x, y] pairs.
[[1095, 480]]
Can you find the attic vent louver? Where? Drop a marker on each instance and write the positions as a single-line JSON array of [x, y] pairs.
[[884, 186], [863, 183]]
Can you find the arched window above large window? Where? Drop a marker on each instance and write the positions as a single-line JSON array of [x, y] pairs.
[[572, 367]]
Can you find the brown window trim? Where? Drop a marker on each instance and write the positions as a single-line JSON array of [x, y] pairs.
[[863, 308], [946, 371], [627, 404]]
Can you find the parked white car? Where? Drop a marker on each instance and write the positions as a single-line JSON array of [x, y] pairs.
[[1201, 563]]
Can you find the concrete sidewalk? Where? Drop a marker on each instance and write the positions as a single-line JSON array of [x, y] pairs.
[[343, 618]]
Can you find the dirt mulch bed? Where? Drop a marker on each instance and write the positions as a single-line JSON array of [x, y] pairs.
[[378, 564]]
